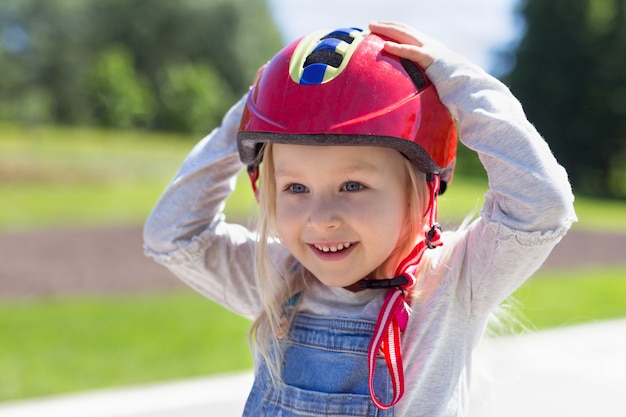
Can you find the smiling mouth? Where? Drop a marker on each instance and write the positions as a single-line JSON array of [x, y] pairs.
[[337, 248]]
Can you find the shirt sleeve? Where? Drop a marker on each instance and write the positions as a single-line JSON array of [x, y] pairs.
[[529, 204], [187, 230]]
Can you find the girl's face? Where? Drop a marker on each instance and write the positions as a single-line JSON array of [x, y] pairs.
[[340, 210]]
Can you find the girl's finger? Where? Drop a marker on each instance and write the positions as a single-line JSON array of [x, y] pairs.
[[412, 52], [399, 32]]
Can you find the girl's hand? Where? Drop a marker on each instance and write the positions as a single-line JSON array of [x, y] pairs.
[[407, 42]]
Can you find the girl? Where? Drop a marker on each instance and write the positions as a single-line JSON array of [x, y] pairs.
[[353, 315]]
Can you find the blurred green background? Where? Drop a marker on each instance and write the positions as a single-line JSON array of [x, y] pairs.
[[101, 101]]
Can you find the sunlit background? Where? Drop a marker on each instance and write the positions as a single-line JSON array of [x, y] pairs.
[[100, 101]]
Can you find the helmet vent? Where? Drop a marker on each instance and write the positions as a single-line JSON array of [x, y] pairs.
[[341, 36], [415, 73], [324, 56]]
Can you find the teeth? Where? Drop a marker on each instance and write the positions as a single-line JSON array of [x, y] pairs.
[[341, 246]]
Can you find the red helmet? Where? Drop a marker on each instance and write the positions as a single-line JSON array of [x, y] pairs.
[[341, 88]]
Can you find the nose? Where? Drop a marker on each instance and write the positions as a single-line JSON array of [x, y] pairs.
[[324, 213]]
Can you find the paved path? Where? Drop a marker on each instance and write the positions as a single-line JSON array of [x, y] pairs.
[[577, 371]]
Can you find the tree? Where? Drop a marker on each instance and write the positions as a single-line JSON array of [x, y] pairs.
[[93, 61], [194, 97], [119, 95], [570, 75], [43, 44]]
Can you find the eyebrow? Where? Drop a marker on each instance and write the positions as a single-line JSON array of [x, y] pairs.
[[358, 167]]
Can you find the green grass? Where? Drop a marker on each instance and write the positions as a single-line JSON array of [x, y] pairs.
[[557, 298], [60, 177], [69, 344], [601, 215], [71, 177], [463, 198]]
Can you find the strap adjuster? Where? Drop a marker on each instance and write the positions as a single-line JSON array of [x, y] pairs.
[[398, 281]]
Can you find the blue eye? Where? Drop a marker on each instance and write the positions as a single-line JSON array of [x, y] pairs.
[[352, 186], [297, 188]]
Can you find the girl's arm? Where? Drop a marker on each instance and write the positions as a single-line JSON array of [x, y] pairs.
[[492, 123], [187, 232], [529, 204]]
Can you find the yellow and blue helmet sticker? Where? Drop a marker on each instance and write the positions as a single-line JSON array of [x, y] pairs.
[[322, 56]]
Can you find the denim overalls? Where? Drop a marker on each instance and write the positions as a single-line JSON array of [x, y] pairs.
[[324, 373]]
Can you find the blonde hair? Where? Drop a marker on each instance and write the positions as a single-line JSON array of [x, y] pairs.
[[278, 281]]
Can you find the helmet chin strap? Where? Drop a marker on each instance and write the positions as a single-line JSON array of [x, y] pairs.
[[253, 174], [394, 314]]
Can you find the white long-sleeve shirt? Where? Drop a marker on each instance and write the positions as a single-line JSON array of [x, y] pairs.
[[527, 209]]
